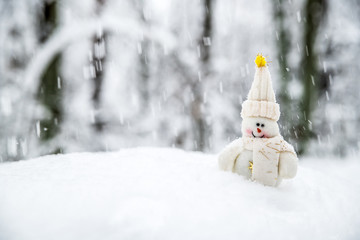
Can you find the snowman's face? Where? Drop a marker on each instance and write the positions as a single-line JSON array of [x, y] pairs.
[[259, 127]]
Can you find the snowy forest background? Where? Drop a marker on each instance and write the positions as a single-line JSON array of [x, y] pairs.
[[100, 75]]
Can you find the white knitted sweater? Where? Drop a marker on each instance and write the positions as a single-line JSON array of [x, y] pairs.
[[266, 153], [265, 157]]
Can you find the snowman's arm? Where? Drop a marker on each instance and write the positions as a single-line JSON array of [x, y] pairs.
[[288, 164], [227, 157]]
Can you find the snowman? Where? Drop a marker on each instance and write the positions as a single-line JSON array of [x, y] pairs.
[[262, 154]]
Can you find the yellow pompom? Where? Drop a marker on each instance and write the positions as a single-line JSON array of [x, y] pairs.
[[260, 61]]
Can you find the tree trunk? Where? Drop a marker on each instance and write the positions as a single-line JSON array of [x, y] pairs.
[[314, 14], [50, 93], [16, 48], [98, 61], [283, 48], [143, 51], [201, 128]]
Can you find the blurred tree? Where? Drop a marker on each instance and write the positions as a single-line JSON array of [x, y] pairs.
[[50, 90], [283, 49], [143, 51], [315, 11], [98, 62], [17, 43], [201, 129]]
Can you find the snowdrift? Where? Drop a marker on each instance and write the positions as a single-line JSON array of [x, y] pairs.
[[149, 193]]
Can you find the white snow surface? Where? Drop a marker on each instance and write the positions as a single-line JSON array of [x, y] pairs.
[[149, 193]]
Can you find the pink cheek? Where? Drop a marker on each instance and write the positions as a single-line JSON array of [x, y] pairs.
[[248, 131], [265, 135]]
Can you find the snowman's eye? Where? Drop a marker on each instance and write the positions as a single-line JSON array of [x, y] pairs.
[[257, 124], [262, 125]]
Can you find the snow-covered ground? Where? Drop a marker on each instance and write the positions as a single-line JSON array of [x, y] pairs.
[[149, 193]]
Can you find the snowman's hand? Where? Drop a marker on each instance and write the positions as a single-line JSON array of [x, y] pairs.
[[287, 165], [228, 156]]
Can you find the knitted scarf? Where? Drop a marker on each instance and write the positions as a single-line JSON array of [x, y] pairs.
[[266, 153]]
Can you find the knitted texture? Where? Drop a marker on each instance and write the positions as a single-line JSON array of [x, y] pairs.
[[261, 99], [264, 109], [266, 154]]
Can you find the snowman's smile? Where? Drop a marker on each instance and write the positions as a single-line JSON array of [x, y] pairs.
[[257, 136]]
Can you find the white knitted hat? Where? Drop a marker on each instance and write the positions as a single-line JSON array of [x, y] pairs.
[[261, 100]]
